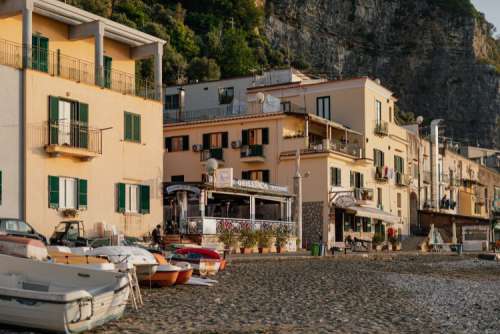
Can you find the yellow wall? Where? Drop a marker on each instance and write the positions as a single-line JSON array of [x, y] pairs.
[[120, 162], [58, 34]]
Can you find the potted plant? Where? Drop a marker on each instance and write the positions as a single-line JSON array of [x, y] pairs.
[[70, 213], [263, 238], [228, 237], [247, 241], [395, 243], [281, 234], [377, 241]]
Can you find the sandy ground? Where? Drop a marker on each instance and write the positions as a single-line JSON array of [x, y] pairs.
[[410, 294]]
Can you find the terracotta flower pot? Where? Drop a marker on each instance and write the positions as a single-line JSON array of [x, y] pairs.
[[280, 249], [263, 250], [244, 250]]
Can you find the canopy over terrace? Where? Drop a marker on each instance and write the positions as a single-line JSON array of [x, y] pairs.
[[203, 209]]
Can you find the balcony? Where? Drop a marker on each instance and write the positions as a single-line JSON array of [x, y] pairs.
[[381, 174], [354, 150], [213, 153], [381, 128], [58, 65], [73, 139], [363, 195], [252, 153], [402, 179]]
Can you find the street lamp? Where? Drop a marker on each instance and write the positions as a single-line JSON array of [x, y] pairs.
[[420, 120]]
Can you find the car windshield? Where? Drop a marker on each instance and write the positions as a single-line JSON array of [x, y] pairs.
[[12, 225]]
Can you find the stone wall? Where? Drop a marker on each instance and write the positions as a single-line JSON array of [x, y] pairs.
[[312, 222]]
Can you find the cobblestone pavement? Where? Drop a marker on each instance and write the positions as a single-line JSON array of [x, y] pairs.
[[410, 294]]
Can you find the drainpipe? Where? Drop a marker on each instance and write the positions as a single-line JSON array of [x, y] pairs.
[[435, 163], [27, 45], [297, 187]]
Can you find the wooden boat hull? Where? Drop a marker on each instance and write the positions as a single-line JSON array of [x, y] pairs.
[[162, 279]]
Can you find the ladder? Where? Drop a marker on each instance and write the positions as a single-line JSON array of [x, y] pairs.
[[135, 290]]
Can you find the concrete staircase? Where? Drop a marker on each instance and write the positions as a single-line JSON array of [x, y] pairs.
[[412, 243]]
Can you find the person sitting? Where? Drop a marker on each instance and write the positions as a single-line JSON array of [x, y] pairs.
[[157, 237]]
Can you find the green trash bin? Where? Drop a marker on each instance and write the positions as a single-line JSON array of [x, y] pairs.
[[315, 249]]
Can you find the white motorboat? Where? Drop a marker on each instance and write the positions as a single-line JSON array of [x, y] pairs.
[[59, 298], [144, 262]]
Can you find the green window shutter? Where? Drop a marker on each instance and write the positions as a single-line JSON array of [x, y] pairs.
[[352, 179], [375, 157], [361, 180], [108, 64], [185, 143], [265, 136], [144, 193], [225, 140], [244, 137], [121, 197], [265, 176], [332, 177], [53, 192], [339, 176], [168, 144], [83, 127], [206, 141], [82, 194], [128, 126], [53, 120], [136, 125]]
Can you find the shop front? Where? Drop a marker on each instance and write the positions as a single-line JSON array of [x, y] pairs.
[[354, 221]]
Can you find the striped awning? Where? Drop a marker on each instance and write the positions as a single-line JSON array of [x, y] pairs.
[[374, 213]]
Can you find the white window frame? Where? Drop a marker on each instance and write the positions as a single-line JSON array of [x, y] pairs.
[[68, 186], [132, 198]]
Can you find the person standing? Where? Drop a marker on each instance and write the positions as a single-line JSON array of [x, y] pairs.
[[157, 236]]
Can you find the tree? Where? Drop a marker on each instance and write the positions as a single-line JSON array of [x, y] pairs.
[[203, 69], [237, 57]]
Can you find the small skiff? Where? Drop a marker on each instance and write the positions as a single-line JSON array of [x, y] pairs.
[[165, 275], [144, 262], [59, 298], [23, 247], [205, 262]]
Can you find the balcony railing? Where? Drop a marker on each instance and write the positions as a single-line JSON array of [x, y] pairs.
[[74, 69], [73, 139], [381, 128], [381, 174], [354, 150], [213, 153], [200, 225], [249, 151], [402, 179], [363, 194]]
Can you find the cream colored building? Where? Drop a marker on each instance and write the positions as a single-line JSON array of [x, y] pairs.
[[89, 129], [337, 127]]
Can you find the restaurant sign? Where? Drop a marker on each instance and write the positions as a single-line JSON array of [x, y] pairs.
[[343, 199], [260, 186]]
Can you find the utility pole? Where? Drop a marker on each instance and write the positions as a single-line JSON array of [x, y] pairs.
[[297, 187]]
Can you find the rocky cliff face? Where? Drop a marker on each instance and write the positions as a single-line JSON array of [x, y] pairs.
[[434, 56]]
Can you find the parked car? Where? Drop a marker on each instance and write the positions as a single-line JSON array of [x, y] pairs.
[[69, 233], [20, 228]]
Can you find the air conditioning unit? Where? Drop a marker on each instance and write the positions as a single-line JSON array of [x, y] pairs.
[[236, 144], [197, 148]]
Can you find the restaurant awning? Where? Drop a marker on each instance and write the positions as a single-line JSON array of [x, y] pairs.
[[374, 213]]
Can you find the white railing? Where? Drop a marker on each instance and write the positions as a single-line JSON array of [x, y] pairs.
[[214, 225]]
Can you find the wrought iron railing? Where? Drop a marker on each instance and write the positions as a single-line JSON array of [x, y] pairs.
[[194, 225], [75, 135], [213, 153], [252, 151], [381, 128], [59, 65], [363, 194]]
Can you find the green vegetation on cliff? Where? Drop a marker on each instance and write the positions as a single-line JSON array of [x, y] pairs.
[[206, 39]]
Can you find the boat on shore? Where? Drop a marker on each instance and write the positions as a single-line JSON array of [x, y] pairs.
[[23, 247], [144, 262], [59, 298], [205, 262]]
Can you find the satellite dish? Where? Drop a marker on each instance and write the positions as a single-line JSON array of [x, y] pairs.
[[212, 165], [261, 98]]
